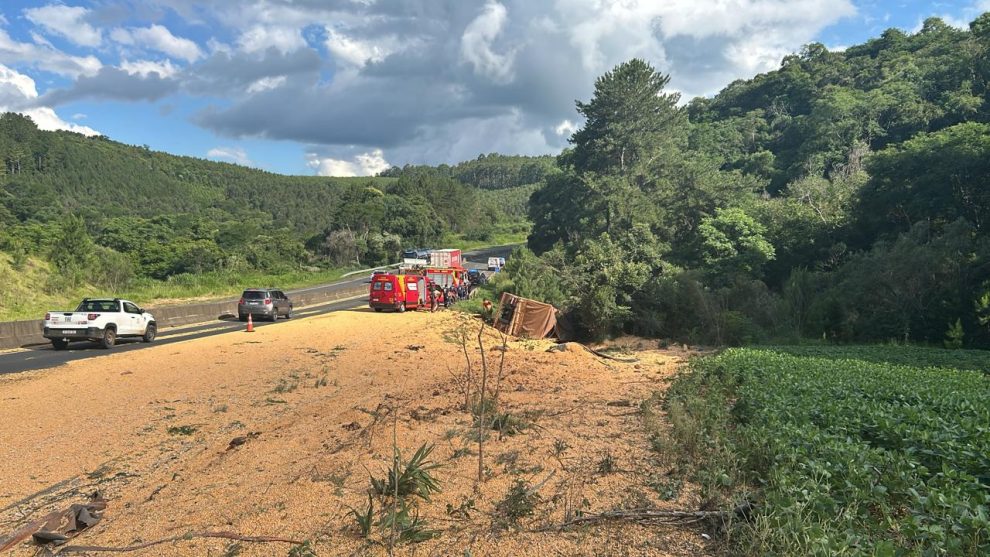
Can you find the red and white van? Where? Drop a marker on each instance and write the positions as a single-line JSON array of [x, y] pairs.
[[399, 292]]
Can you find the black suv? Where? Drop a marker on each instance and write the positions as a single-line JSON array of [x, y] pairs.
[[264, 302]]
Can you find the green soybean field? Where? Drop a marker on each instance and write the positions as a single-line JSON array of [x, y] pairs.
[[879, 450]]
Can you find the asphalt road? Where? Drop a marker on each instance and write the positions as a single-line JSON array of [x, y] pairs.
[[44, 356]]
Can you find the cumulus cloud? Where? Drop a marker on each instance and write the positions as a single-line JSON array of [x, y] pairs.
[[18, 94], [68, 22], [260, 38], [112, 83], [42, 55], [565, 128], [363, 164], [229, 74], [477, 44], [158, 38], [144, 68], [266, 84], [235, 155], [357, 52]]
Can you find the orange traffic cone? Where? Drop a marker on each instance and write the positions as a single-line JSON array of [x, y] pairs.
[[250, 327]]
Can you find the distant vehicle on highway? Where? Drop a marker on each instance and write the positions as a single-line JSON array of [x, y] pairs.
[[269, 303], [101, 320], [375, 274], [417, 253]]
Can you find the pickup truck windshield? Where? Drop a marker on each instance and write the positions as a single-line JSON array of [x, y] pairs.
[[99, 305]]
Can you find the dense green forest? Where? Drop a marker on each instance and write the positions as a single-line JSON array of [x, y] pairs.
[[489, 172], [108, 214], [843, 196]]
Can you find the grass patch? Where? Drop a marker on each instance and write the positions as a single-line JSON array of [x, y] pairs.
[[284, 386], [181, 430], [519, 502]]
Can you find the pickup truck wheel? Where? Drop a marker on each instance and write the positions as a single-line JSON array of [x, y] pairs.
[[109, 338], [288, 314], [59, 344], [149, 332], [274, 315]]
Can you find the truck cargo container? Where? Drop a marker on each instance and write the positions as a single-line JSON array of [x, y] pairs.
[[445, 258]]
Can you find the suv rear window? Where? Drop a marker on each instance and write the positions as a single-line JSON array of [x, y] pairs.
[[254, 295]]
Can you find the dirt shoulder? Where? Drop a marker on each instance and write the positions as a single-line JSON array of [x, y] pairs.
[[310, 399]]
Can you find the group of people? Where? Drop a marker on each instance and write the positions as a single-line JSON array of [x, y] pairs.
[[447, 296]]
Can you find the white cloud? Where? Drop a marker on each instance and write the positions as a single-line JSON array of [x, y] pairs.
[[159, 38], [353, 51], [260, 38], [67, 22], [79, 116], [144, 68], [235, 155], [266, 84], [476, 44], [364, 164], [44, 56], [17, 91], [214, 46], [565, 128]]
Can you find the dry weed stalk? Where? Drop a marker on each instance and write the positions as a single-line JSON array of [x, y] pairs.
[[481, 404]]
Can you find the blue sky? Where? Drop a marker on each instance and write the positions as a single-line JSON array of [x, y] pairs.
[[349, 87]]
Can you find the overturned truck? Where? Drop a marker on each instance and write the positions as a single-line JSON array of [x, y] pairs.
[[525, 318]]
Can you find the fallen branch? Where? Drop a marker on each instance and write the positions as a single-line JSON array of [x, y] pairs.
[[608, 357], [649, 516], [560, 347], [189, 536]]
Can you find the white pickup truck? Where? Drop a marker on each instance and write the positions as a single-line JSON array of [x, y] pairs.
[[101, 320]]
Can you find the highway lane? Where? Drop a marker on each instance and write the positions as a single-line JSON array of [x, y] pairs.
[[44, 356]]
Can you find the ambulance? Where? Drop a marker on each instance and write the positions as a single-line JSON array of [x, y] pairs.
[[399, 292]]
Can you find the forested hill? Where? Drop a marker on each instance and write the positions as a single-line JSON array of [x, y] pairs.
[[844, 195], [105, 214], [822, 110], [47, 174], [489, 172]]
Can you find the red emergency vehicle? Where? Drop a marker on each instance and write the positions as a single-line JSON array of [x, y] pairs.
[[399, 292]]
